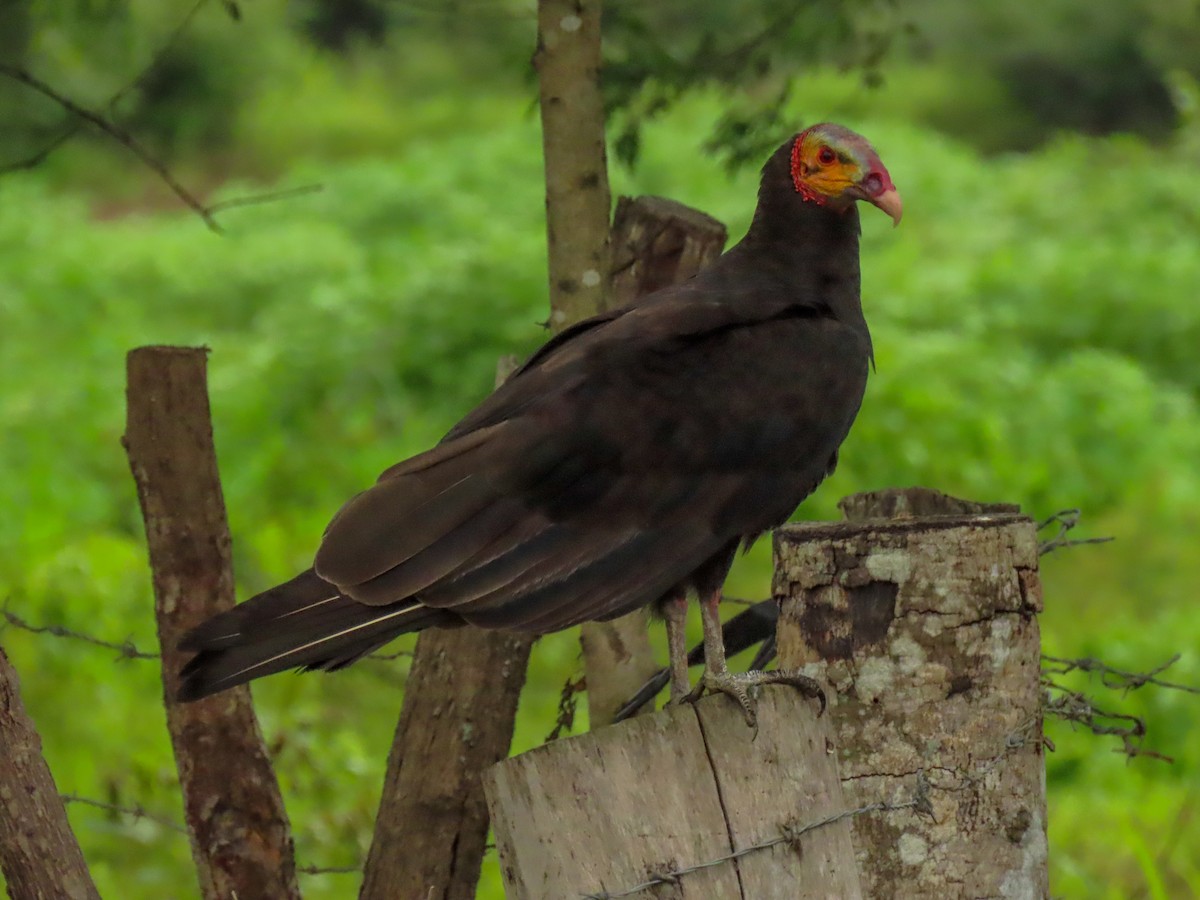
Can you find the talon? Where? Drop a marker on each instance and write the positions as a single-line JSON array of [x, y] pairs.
[[810, 687]]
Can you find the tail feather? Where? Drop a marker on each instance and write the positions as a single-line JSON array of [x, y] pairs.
[[303, 623]]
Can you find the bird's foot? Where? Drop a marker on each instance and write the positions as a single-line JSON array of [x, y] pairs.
[[739, 686]]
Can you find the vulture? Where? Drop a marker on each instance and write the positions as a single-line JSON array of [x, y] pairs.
[[621, 466]]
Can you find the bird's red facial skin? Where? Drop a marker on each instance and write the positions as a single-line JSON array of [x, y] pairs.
[[832, 166]]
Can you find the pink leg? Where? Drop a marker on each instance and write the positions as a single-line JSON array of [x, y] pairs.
[[675, 612]]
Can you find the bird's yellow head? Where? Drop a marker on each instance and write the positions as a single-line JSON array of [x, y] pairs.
[[833, 166]]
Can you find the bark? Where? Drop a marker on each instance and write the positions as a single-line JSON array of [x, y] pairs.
[[656, 243], [664, 793], [460, 703], [240, 837], [39, 854], [578, 201], [924, 630]]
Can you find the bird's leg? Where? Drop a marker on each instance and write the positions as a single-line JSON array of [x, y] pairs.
[[675, 613], [717, 676]]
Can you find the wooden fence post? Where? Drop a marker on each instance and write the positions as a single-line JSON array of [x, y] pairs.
[[924, 630], [460, 706], [240, 835], [688, 797]]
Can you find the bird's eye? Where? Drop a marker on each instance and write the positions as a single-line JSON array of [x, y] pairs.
[[825, 156]]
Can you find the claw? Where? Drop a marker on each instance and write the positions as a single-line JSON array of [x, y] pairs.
[[739, 687]]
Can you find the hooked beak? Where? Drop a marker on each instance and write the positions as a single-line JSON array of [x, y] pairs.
[[889, 202]]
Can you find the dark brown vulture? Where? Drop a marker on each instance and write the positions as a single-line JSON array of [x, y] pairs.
[[621, 466]]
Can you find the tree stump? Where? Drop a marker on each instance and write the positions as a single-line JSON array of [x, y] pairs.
[[924, 631], [649, 800]]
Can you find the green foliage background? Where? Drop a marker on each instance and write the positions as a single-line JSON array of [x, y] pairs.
[[1035, 321]]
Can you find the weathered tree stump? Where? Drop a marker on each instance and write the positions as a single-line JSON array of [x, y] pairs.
[[658, 242], [602, 813], [924, 631]]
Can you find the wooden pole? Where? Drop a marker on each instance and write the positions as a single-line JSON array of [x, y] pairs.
[[655, 243], [39, 855], [924, 630], [689, 797], [460, 704], [240, 836]]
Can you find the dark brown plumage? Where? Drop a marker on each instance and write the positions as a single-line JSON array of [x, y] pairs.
[[623, 463]]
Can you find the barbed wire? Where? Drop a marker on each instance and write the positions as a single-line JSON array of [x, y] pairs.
[[329, 870], [1118, 679], [1078, 708], [568, 702], [133, 812], [125, 649], [139, 812], [1066, 519], [788, 834]]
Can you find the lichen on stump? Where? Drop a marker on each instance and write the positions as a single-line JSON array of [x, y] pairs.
[[925, 632]]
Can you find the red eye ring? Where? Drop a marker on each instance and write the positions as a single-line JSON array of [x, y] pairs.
[[826, 157]]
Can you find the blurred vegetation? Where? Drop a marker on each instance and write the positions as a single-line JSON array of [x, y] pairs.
[[1034, 318]]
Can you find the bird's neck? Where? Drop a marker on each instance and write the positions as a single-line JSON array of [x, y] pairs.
[[809, 250]]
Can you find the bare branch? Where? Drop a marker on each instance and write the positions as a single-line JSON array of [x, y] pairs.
[[76, 125], [36, 159], [82, 115], [119, 135], [159, 55], [266, 197]]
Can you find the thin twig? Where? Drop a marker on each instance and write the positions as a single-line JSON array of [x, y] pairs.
[[159, 55], [119, 135], [207, 212], [266, 197], [36, 159], [76, 124]]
